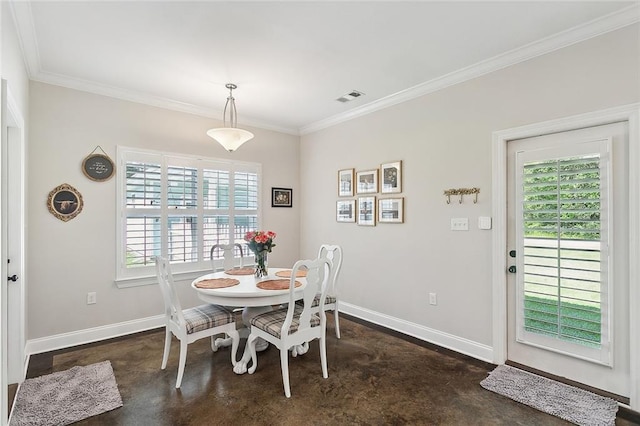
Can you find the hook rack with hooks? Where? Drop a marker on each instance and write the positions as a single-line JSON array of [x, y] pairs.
[[461, 192]]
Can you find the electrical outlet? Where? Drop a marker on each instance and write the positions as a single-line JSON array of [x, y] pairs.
[[91, 298], [433, 299]]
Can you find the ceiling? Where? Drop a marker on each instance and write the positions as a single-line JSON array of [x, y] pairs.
[[291, 60]]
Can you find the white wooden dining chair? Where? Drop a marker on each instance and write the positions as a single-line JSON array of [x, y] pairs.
[[334, 254], [294, 324], [228, 260], [191, 324]]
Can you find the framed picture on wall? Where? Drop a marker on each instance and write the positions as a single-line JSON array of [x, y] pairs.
[[346, 211], [345, 183], [281, 197], [367, 182], [391, 177], [367, 211], [98, 167], [391, 210], [64, 202]]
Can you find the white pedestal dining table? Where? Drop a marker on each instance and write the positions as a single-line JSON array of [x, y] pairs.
[[247, 295]]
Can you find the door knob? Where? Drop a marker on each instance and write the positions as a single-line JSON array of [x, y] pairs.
[[512, 253], [13, 278], [512, 269]]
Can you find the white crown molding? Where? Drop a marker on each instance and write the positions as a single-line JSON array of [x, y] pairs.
[[23, 18], [608, 23], [145, 98]]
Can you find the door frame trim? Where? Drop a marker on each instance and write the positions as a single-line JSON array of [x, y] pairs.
[[626, 113]]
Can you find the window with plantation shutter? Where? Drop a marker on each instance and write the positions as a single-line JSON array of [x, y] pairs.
[[563, 227], [179, 207]]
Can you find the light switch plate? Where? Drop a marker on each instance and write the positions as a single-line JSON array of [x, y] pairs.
[[484, 222], [459, 224]]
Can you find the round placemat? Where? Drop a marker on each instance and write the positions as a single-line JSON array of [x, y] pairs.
[[240, 271], [276, 284], [287, 274], [217, 283]]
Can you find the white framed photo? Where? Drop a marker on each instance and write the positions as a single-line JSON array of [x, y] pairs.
[[345, 183], [367, 182], [367, 211], [391, 210], [346, 211]]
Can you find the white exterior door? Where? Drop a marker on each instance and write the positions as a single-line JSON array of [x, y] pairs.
[[568, 238]]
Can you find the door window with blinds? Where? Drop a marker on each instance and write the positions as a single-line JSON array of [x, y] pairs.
[[563, 231], [179, 207]]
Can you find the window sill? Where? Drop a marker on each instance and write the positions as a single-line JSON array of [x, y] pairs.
[[151, 279]]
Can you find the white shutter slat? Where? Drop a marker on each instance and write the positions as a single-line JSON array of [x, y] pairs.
[[562, 287]]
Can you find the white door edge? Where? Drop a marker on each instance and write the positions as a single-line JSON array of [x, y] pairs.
[[629, 113]]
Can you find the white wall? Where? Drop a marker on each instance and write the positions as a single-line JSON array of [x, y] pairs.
[[69, 259], [444, 141]]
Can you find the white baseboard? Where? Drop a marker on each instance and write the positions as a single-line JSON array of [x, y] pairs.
[[89, 335], [80, 337], [449, 341]]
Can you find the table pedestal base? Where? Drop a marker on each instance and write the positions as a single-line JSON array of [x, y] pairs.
[[261, 344]]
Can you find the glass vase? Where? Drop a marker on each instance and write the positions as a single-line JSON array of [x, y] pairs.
[[262, 264]]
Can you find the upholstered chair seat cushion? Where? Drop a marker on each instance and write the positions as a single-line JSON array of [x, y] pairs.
[[316, 301], [271, 322], [206, 316]]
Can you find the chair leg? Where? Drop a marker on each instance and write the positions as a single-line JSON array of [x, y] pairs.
[[183, 360], [251, 343], [167, 348], [323, 356], [284, 365], [335, 316], [235, 340]]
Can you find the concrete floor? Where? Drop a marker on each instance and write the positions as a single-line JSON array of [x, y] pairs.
[[376, 377]]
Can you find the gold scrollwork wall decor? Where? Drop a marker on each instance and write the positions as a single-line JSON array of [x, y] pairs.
[[64, 202], [461, 192]]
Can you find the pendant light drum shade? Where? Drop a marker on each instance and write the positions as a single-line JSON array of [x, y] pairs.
[[231, 138]]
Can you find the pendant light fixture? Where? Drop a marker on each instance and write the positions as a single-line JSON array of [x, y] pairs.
[[230, 137]]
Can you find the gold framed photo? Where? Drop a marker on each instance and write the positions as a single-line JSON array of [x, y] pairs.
[[64, 202], [391, 210], [345, 183], [391, 177], [367, 211], [346, 211], [367, 182]]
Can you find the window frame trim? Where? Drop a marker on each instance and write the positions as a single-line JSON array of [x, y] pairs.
[[145, 275]]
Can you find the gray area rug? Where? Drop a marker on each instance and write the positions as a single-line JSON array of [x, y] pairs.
[[567, 402], [67, 396]]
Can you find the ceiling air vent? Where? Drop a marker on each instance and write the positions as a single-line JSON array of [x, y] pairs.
[[350, 96]]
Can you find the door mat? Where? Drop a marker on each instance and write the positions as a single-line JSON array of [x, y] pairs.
[[67, 396], [567, 402]]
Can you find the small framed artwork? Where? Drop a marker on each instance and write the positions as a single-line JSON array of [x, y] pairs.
[[345, 183], [391, 177], [346, 211], [367, 182], [281, 197], [367, 211], [64, 202], [391, 210], [98, 167]]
